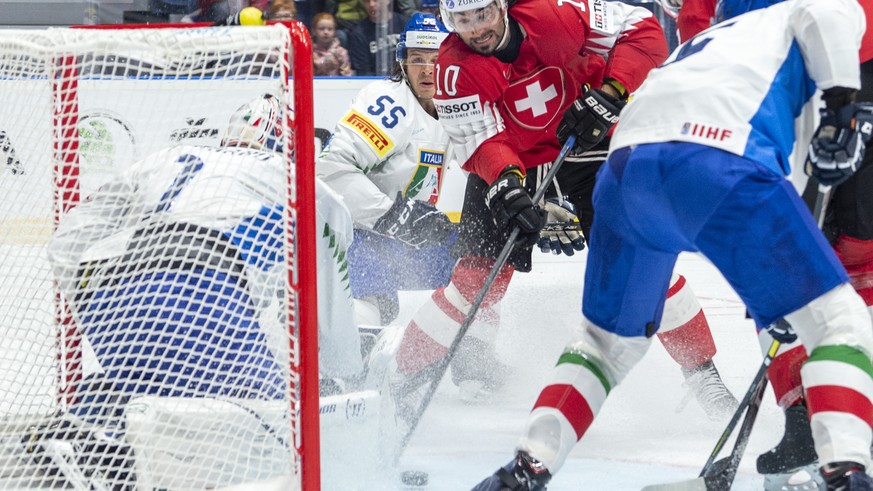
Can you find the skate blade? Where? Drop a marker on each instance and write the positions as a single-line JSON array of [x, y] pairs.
[[805, 478]]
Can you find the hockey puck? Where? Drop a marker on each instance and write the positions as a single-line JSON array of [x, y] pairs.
[[414, 478]]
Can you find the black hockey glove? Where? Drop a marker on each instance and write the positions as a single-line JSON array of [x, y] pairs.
[[511, 206], [416, 223], [837, 147], [562, 233], [782, 331], [590, 118]]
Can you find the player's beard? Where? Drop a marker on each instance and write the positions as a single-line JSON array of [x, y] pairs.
[[485, 49]]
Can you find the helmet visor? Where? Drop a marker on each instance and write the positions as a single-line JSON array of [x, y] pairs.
[[472, 19]]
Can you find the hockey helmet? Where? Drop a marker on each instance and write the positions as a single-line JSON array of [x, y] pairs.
[[728, 9], [487, 12], [257, 124], [423, 31]]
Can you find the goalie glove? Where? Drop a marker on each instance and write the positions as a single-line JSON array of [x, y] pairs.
[[590, 118], [837, 147], [416, 223], [511, 206], [562, 233]]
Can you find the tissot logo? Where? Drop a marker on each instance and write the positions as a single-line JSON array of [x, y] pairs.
[[460, 109], [456, 108]]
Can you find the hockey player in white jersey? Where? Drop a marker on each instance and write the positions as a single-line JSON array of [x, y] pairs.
[[698, 162], [386, 159], [174, 273]]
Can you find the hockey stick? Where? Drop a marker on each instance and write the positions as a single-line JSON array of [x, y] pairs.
[[820, 203], [438, 369], [718, 475]]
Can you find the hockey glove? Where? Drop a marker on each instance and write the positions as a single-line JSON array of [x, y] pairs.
[[511, 206], [562, 231], [590, 118], [416, 223], [782, 331], [837, 147]]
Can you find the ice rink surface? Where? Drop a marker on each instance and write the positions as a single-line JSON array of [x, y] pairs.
[[639, 437]]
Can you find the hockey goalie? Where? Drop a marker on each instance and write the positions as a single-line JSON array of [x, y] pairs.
[[174, 274]]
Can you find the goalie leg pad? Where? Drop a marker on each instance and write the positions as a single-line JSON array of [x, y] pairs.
[[684, 330]]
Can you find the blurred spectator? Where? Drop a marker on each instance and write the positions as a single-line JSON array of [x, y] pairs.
[[430, 7], [329, 58], [282, 10], [371, 54], [213, 10], [348, 14]]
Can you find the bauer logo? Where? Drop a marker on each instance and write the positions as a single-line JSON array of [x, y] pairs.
[[460, 110], [368, 131]]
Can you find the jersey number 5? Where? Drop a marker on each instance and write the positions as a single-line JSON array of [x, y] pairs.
[[385, 103]]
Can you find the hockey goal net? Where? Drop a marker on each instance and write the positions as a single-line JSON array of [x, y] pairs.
[[171, 385]]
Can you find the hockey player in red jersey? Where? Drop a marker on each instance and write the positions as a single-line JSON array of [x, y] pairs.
[[505, 81]]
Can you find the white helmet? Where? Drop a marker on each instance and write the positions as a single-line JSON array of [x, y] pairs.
[[258, 124], [450, 7]]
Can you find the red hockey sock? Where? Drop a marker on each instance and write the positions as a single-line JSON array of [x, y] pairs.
[[784, 375], [691, 343]]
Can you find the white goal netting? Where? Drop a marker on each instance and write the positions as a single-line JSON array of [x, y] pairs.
[[151, 348]]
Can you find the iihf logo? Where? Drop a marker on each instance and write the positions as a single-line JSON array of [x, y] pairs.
[[686, 128]]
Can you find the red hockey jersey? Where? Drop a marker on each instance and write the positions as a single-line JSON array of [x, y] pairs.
[[499, 114]]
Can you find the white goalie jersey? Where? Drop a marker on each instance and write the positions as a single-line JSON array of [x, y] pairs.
[[229, 203], [384, 144]]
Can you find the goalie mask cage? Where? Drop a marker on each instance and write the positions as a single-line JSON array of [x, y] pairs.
[[173, 395]]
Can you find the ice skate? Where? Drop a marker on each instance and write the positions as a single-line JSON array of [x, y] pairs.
[[476, 370], [524, 473], [806, 478], [846, 476], [796, 449], [706, 385]]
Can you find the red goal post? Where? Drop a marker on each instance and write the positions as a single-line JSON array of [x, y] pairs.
[[78, 133]]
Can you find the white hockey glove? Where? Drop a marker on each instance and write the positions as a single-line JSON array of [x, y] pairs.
[[562, 233], [837, 148], [416, 223]]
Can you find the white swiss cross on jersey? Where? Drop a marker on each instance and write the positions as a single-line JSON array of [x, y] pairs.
[[534, 101]]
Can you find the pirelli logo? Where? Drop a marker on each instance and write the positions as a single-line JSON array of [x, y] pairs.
[[369, 132]]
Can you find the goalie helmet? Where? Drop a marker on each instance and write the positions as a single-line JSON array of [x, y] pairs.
[[423, 31], [258, 124]]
